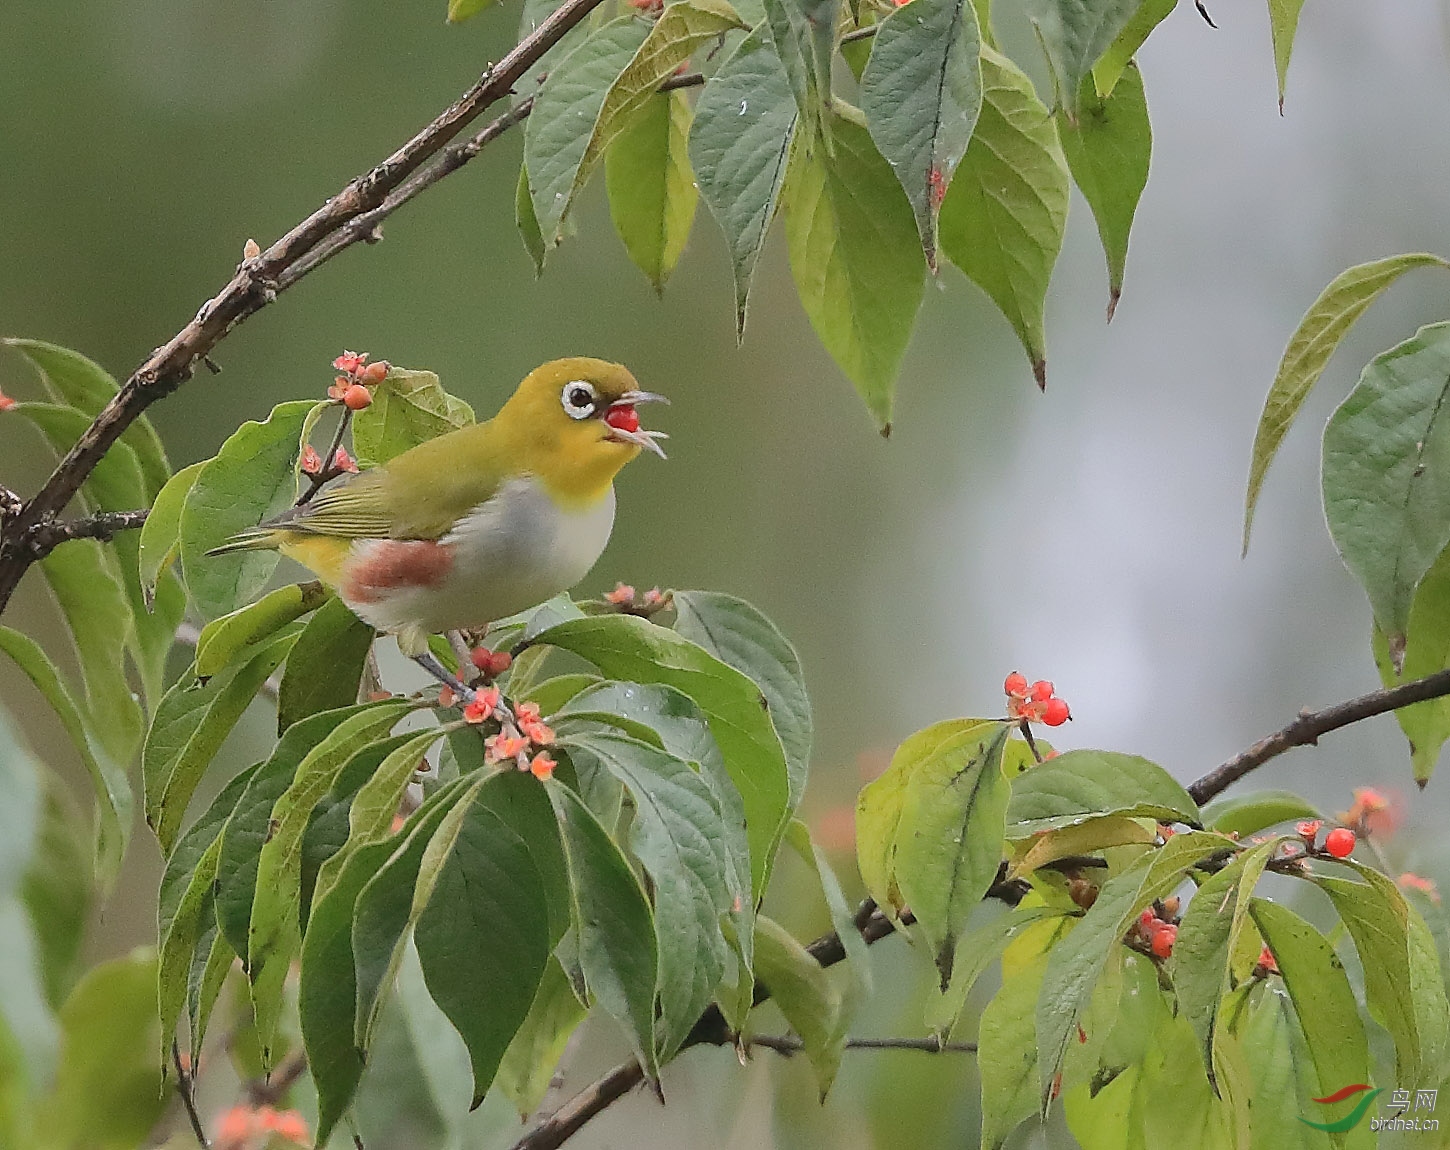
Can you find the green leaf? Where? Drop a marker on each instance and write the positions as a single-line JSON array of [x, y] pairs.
[[1007, 1055], [274, 933], [161, 533], [803, 990], [949, 841], [565, 117], [651, 189], [484, 978], [408, 408], [615, 928], [677, 834], [1003, 218], [1107, 151], [1109, 68], [114, 800], [1283, 1074], [1075, 34], [224, 640], [191, 723], [1196, 1119], [250, 478], [107, 1092], [855, 256], [922, 92], [21, 776], [1283, 22], [528, 223], [804, 35], [461, 10], [57, 887], [1427, 650], [1078, 839], [1387, 476], [626, 647], [73, 379], [1080, 785], [1075, 963], [736, 633], [1248, 814], [1322, 999], [326, 665], [739, 146], [528, 1064], [83, 579], [1317, 337], [976, 951]]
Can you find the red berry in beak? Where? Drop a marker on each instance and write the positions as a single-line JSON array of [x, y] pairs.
[[622, 418]]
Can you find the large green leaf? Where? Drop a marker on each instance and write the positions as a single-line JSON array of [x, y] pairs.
[[804, 34], [191, 722], [1322, 998], [1003, 218], [161, 533], [615, 929], [1110, 66], [528, 1065], [739, 145], [855, 256], [1007, 1055], [1250, 813], [1314, 341], [1107, 151], [652, 191], [626, 647], [1283, 1075], [1080, 785], [977, 950], [114, 800], [949, 841], [408, 408], [1076, 962], [921, 92], [251, 478], [225, 639], [678, 834], [1387, 475], [1075, 34], [1427, 650], [805, 994], [326, 664]]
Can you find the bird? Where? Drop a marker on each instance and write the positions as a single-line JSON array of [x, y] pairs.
[[479, 523]]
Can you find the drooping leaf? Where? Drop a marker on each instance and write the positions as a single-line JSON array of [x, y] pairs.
[[1109, 68], [804, 34], [1255, 811], [614, 926], [1283, 23], [739, 146], [1427, 650], [161, 533], [807, 997], [633, 649], [855, 257], [1314, 341], [976, 951], [326, 664], [1075, 34], [1079, 785], [1279, 1062], [1003, 218], [651, 189], [922, 92], [190, 725], [1107, 151], [1007, 1055], [528, 1064], [250, 478], [114, 800], [1387, 476], [57, 887], [223, 640], [528, 223], [408, 408], [1197, 1120]]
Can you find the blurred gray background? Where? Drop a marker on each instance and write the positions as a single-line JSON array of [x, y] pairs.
[[1089, 535]]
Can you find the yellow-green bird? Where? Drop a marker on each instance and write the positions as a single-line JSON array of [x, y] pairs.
[[482, 522]]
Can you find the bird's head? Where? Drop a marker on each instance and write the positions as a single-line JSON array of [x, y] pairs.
[[577, 417]]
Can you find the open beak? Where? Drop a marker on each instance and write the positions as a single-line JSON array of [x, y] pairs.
[[624, 423]]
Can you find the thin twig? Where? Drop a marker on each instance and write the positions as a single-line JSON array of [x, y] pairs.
[[860, 33], [271, 1090], [259, 279], [789, 1044], [43, 538], [188, 1098], [1306, 729]]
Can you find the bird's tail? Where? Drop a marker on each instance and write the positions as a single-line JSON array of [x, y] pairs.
[[256, 539]]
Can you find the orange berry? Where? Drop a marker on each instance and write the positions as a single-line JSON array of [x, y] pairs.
[[1339, 842], [376, 372], [1055, 713], [1163, 939], [1015, 684], [1042, 690], [357, 397], [1148, 918], [480, 657], [499, 662], [1171, 906]]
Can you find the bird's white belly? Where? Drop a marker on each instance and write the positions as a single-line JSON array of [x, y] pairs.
[[508, 554]]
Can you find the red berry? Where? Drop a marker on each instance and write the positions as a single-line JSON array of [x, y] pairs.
[[1163, 939], [1339, 842], [357, 397], [1015, 684], [376, 372], [1148, 918], [1055, 713], [623, 418], [481, 658], [1041, 691], [498, 663]]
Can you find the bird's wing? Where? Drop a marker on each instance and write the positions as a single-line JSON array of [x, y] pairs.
[[358, 508]]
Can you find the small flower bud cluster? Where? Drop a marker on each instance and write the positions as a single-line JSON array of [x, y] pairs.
[[629, 602], [351, 388], [243, 1128], [1156, 930], [311, 462], [1036, 702], [1424, 886], [521, 744]]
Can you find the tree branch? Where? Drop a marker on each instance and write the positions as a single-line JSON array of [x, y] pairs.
[[40, 540], [789, 1044], [258, 280]]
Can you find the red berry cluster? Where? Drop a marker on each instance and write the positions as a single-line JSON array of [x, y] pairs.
[[491, 663], [1157, 928], [351, 388], [1036, 702], [1338, 843]]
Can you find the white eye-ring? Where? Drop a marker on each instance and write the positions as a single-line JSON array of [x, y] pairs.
[[579, 399]]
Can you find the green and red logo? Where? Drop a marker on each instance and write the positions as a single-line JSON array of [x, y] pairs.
[[1354, 1117]]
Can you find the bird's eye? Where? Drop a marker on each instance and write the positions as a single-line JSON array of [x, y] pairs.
[[579, 399]]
